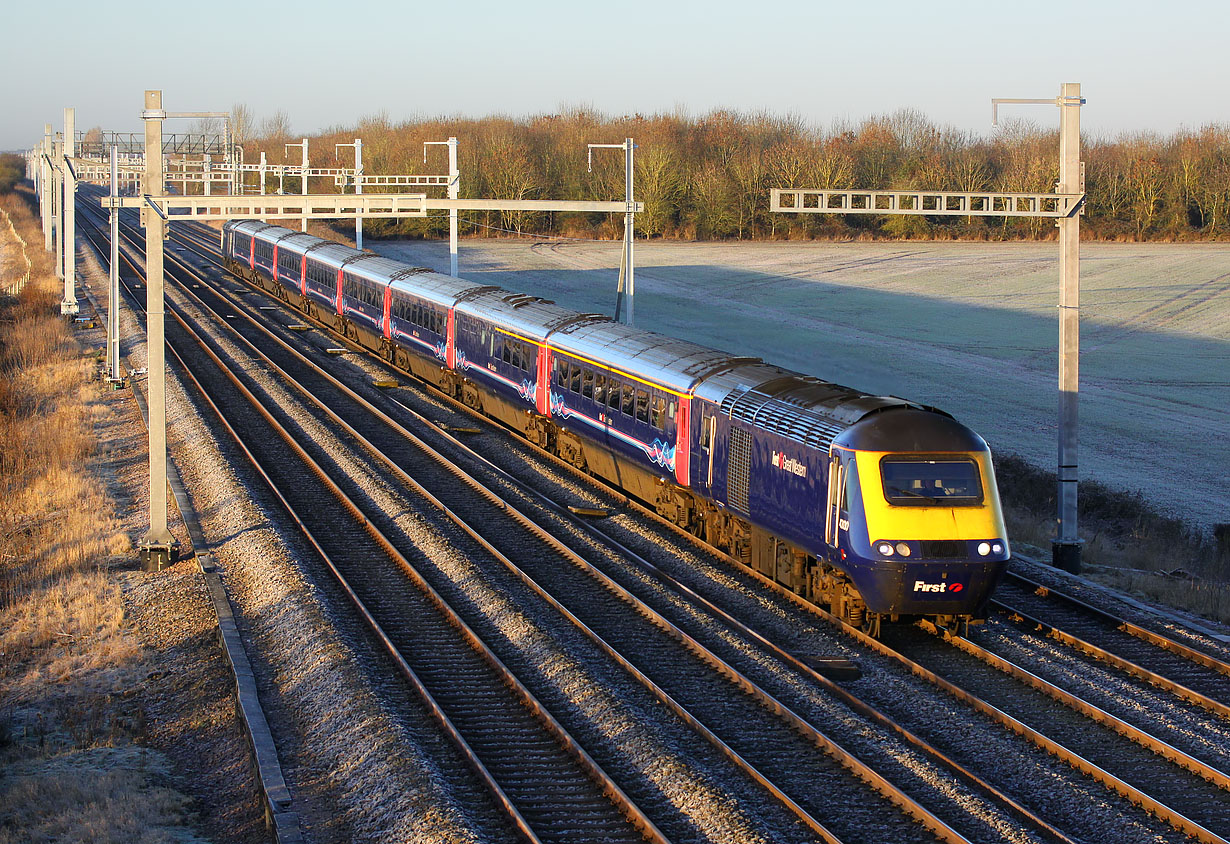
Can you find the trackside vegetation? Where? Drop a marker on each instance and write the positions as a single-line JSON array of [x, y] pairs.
[[74, 761], [709, 177]]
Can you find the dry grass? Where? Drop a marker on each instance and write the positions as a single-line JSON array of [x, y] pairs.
[[1129, 545], [69, 723]]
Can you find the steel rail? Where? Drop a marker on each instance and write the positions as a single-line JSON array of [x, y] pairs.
[[1144, 634], [1024, 619], [1134, 795], [605, 783]]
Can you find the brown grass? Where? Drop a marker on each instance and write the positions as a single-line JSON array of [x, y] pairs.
[[1129, 545], [68, 721]]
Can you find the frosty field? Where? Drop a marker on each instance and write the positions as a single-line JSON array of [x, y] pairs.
[[969, 327]]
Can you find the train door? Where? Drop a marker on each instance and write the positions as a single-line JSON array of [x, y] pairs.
[[708, 442], [835, 503]]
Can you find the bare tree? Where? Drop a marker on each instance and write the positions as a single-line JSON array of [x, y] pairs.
[[276, 127], [242, 123]]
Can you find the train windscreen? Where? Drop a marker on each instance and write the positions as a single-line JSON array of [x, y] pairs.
[[923, 482]]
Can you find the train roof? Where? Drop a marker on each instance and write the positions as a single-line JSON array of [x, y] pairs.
[[520, 313], [802, 407], [299, 241], [247, 226], [677, 364], [911, 428], [439, 289], [375, 267], [266, 231], [333, 254]]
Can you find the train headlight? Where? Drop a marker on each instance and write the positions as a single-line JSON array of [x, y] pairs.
[[984, 548], [997, 547], [903, 549], [885, 549]]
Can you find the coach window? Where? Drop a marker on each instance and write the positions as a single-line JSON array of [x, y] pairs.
[[600, 389], [670, 409], [642, 406], [629, 404], [657, 413], [612, 396], [574, 383], [561, 373], [587, 384], [506, 352]]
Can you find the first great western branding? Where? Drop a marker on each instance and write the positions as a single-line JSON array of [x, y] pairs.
[[789, 464]]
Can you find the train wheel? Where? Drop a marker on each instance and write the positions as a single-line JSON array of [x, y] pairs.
[[871, 624]]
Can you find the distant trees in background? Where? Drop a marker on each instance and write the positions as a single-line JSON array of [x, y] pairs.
[[12, 171], [709, 177]]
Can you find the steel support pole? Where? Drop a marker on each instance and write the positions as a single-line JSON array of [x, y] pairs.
[[157, 544], [358, 189], [629, 217], [57, 205], [262, 177], [68, 306], [454, 192], [113, 288], [1066, 548], [303, 224], [206, 173], [44, 189]]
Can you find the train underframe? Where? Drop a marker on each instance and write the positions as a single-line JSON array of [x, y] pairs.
[[756, 549]]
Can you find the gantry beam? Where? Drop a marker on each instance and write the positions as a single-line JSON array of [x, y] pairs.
[[345, 207], [393, 181], [953, 203]]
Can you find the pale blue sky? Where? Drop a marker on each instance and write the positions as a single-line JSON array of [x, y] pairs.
[[1144, 66]]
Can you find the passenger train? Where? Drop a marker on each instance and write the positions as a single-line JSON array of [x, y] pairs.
[[878, 507]]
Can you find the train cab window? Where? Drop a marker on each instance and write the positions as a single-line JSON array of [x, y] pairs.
[[587, 384], [600, 389], [629, 401], [642, 405], [657, 413], [920, 482]]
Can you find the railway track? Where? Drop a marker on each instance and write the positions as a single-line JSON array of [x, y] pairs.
[[792, 761], [548, 787], [785, 652], [1196, 675]]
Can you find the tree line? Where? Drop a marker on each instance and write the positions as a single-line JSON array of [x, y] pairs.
[[709, 177]]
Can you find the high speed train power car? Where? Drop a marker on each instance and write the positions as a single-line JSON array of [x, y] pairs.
[[878, 507]]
